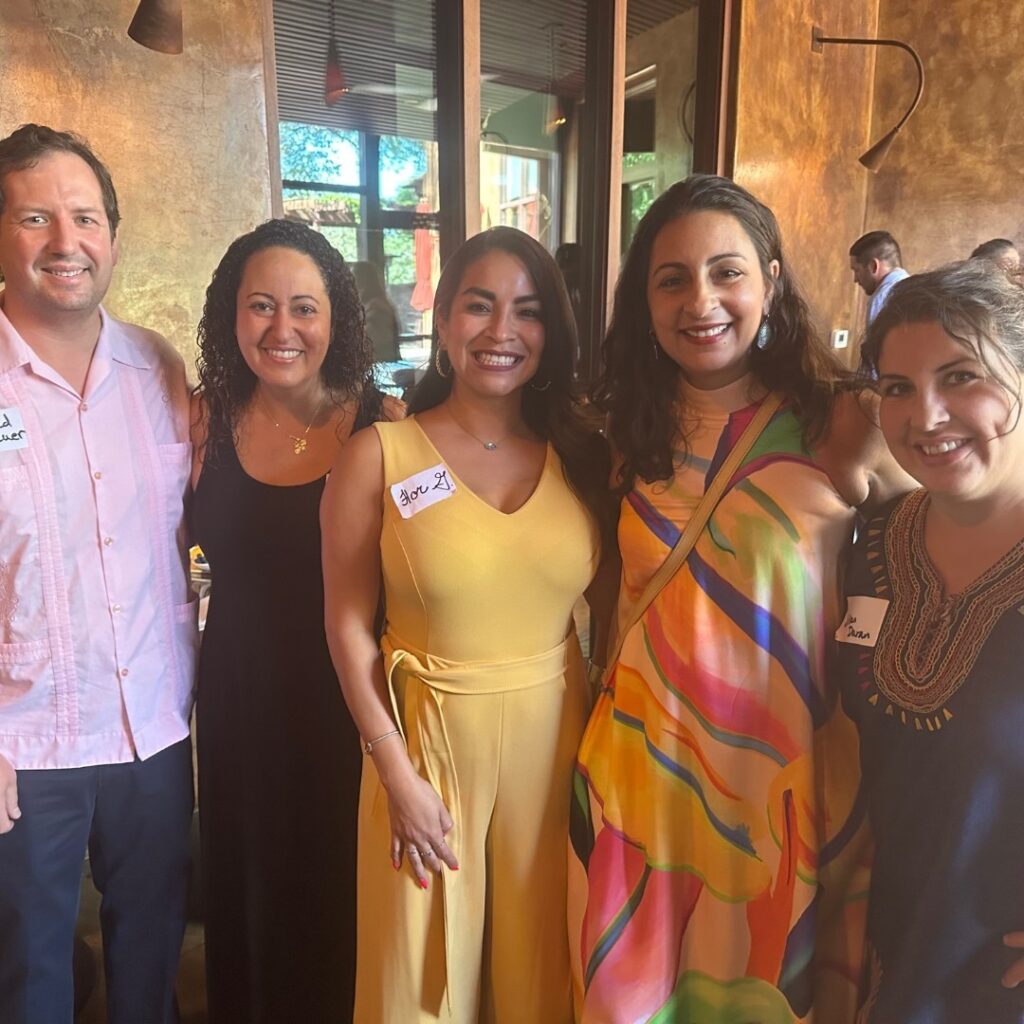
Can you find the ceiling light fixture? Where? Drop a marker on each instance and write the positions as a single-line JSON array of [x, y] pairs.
[[157, 26], [874, 157], [335, 85]]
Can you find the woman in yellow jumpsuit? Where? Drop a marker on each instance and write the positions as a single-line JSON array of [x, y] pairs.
[[475, 512]]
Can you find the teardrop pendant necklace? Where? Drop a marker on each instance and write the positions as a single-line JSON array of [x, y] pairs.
[[300, 442]]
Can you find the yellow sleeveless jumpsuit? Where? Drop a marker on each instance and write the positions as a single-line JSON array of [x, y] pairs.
[[492, 702]]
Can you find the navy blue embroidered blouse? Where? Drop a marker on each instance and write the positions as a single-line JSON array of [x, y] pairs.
[[939, 704]]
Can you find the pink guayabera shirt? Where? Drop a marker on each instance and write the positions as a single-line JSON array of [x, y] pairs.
[[97, 633]]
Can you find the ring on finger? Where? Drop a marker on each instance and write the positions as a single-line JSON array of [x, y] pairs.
[[412, 851]]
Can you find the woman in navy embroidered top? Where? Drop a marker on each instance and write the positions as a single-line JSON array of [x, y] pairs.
[[932, 645]]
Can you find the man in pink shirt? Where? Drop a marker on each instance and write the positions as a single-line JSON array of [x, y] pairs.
[[97, 629]]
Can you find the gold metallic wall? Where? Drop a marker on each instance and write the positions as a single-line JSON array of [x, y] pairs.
[[955, 176], [803, 118], [185, 137]]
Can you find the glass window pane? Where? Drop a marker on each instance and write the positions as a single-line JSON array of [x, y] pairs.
[[328, 156], [411, 273], [661, 75], [408, 174], [531, 91], [335, 214]]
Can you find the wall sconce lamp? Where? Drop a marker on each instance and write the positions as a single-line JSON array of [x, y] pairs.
[[874, 157], [157, 25], [335, 85]]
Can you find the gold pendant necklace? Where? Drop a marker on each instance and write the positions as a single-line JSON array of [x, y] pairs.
[[300, 442], [490, 446]]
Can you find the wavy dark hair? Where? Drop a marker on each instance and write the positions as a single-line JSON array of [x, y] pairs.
[[976, 304], [226, 384], [638, 387], [552, 413]]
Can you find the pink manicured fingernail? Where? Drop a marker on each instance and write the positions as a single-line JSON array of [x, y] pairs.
[[423, 884], [396, 864], [456, 868]]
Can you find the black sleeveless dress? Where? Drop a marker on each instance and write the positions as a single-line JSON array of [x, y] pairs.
[[279, 759]]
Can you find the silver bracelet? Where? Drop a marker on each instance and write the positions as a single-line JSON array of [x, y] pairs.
[[370, 744]]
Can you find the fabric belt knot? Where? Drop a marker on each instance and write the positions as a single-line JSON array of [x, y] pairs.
[[424, 677]]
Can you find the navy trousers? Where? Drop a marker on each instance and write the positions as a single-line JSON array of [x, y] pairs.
[[134, 820]]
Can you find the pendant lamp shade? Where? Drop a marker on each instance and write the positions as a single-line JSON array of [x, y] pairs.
[[335, 85], [157, 25]]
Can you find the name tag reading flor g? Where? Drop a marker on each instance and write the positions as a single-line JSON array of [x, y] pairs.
[[423, 489], [12, 430], [862, 621]]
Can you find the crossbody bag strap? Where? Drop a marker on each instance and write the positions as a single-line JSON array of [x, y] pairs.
[[695, 527]]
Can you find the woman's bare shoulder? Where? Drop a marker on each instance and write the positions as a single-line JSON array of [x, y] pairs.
[[855, 454]]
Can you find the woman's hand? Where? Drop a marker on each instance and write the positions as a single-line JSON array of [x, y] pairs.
[[419, 823], [10, 812], [1015, 975]]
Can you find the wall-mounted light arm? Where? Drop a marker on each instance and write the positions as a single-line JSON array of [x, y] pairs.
[[874, 157]]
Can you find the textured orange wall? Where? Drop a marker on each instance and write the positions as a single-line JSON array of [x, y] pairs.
[[185, 137], [955, 176], [803, 118]]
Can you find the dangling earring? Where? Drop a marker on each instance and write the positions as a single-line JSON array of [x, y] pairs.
[[542, 387], [764, 334], [654, 342], [437, 363]]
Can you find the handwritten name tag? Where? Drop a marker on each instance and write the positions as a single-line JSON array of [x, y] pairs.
[[12, 430], [862, 621], [422, 490]]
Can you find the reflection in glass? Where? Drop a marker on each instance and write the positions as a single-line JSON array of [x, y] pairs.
[[532, 76], [661, 72]]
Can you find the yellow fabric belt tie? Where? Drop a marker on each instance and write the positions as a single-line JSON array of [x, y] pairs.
[[425, 677]]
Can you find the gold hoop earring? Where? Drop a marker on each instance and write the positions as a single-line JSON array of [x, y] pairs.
[[437, 364]]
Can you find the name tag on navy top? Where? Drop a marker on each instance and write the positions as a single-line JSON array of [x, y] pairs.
[[423, 489], [12, 430], [863, 620]]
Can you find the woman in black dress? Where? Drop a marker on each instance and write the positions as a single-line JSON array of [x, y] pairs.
[[285, 378]]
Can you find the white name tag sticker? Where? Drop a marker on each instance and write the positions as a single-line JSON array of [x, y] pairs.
[[863, 620], [12, 430], [422, 490]]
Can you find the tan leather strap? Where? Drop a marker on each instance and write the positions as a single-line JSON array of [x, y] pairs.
[[695, 527]]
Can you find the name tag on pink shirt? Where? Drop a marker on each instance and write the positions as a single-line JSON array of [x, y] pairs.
[[12, 430], [423, 489]]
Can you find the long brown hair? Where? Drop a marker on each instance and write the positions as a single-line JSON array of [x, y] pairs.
[[638, 388], [550, 410]]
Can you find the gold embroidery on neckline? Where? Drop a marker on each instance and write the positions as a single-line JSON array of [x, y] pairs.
[[930, 642]]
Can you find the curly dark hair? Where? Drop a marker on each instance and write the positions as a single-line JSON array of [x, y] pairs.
[[226, 384], [552, 413], [638, 388]]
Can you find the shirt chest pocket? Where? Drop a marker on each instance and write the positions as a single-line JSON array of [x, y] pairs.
[[22, 613]]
